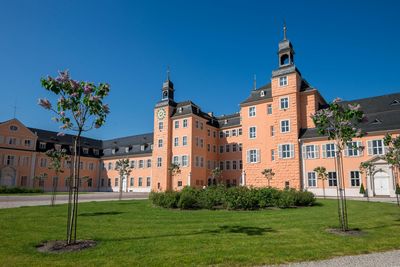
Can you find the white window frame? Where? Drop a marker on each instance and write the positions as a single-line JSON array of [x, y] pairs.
[[160, 143], [176, 124], [284, 149], [185, 160], [354, 178], [269, 109], [310, 153], [176, 141], [252, 111], [185, 123], [184, 140], [280, 102], [372, 148], [331, 153], [314, 179], [349, 150], [250, 132], [283, 81], [160, 126], [285, 128], [253, 156], [159, 162]]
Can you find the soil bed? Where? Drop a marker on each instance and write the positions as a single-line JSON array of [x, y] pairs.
[[350, 232], [60, 246]]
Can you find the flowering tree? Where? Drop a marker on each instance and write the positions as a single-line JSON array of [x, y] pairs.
[[368, 168], [216, 174], [79, 108], [268, 174], [124, 169], [340, 123], [322, 175], [56, 158], [392, 156]]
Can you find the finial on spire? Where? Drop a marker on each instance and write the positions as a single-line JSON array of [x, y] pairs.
[[255, 82], [284, 29], [168, 73]]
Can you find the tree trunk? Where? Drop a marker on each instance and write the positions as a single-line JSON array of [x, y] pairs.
[[342, 207], [323, 187], [53, 195], [120, 187]]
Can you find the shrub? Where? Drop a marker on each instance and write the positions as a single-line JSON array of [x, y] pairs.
[[18, 190], [189, 198], [213, 197], [167, 199], [242, 198]]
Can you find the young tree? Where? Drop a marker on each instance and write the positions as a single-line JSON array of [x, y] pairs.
[[174, 169], [216, 174], [40, 178], [392, 156], [56, 158], [79, 108], [368, 168], [124, 169], [340, 123], [268, 174], [323, 176]]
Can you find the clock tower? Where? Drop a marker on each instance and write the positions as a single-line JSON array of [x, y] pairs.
[[162, 144]]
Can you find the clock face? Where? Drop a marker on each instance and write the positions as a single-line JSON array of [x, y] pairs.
[[161, 113]]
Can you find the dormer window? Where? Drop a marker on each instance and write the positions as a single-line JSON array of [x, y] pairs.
[[42, 145], [96, 152], [283, 81], [85, 150], [142, 147], [376, 121], [126, 149], [262, 94], [180, 110], [113, 151], [395, 102], [225, 121], [13, 128]]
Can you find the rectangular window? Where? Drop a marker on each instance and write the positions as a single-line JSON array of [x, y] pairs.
[[284, 103], [175, 160], [269, 109], [201, 143], [116, 182], [252, 111], [221, 165], [272, 154], [133, 164], [208, 164], [272, 130], [252, 132], [234, 132], [240, 164], [148, 181], [226, 133], [110, 166], [286, 151], [214, 134], [332, 179], [184, 141], [329, 150], [221, 149], [253, 156], [228, 165], [285, 126], [208, 132], [43, 162], [160, 143], [148, 165], [201, 126], [227, 148], [375, 147], [132, 181], [11, 160], [197, 161], [240, 131], [240, 147], [185, 161], [310, 152], [208, 147], [221, 134], [234, 147], [41, 145], [140, 181], [141, 164], [197, 124], [353, 149], [214, 148], [159, 162], [355, 178], [176, 141], [312, 179], [180, 184], [176, 124], [201, 162], [234, 165], [27, 143], [91, 166], [185, 123], [160, 125], [283, 81]]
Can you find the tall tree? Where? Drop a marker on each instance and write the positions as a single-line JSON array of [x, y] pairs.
[[392, 156], [174, 169], [322, 175], [268, 174], [56, 158], [79, 108], [124, 170], [368, 168], [340, 122]]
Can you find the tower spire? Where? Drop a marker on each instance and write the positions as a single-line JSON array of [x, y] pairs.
[[284, 30], [254, 82], [168, 73]]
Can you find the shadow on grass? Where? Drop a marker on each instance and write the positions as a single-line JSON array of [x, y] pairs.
[[101, 213], [224, 229]]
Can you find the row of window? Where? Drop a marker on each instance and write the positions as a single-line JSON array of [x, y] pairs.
[[16, 141], [285, 151], [283, 105], [230, 147], [352, 149], [355, 179], [284, 127], [133, 164], [132, 182]]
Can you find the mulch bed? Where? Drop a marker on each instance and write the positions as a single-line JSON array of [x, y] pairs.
[[60, 246], [350, 232]]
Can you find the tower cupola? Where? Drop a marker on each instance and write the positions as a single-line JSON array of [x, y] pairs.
[[168, 88], [286, 52]]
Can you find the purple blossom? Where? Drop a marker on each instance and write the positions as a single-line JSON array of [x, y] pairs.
[[354, 107], [337, 100], [60, 134], [359, 133], [94, 98], [45, 103], [63, 76], [74, 84], [62, 113], [106, 109], [87, 89], [74, 94]]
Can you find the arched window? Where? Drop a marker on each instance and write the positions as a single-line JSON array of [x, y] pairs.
[[284, 59]]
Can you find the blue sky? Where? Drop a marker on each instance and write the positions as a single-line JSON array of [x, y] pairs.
[[347, 49]]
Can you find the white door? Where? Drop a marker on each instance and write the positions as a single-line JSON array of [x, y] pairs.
[[381, 184], [123, 184]]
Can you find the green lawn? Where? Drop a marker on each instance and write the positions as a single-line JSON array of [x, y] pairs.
[[132, 233], [40, 194]]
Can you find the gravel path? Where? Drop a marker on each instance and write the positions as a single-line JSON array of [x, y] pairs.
[[19, 201], [381, 259]]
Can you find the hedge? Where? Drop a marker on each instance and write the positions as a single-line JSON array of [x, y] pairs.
[[233, 198], [17, 190]]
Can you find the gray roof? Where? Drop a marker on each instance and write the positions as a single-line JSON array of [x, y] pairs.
[[256, 95], [382, 112], [129, 145], [226, 121], [51, 138]]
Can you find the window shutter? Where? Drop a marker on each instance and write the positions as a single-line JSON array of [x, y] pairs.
[[324, 151], [346, 150], [370, 150], [280, 151], [361, 152], [316, 147], [304, 151], [258, 155], [291, 150], [248, 156]]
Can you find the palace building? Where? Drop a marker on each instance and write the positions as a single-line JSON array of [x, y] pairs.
[[272, 129]]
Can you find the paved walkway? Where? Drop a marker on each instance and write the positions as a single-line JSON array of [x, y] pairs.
[[382, 259], [41, 200], [371, 199]]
